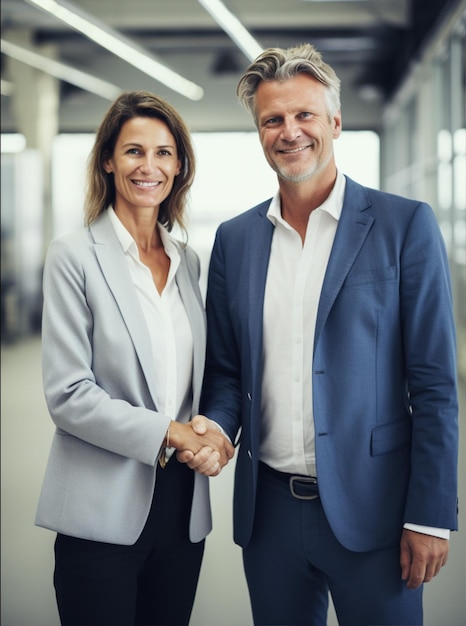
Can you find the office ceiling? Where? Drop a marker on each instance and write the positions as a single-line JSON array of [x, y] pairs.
[[370, 44]]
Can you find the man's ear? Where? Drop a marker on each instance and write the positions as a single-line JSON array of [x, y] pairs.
[[337, 128]]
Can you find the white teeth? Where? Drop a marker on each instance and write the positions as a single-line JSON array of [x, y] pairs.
[[294, 150], [142, 183]]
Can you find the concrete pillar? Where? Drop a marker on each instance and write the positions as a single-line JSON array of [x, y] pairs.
[[35, 107]]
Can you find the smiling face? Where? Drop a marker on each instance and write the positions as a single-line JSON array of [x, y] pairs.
[[296, 128], [144, 164]]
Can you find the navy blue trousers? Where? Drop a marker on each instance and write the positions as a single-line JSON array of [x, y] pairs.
[[294, 561], [152, 582]]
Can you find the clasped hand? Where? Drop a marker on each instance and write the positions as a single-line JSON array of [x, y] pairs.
[[201, 445]]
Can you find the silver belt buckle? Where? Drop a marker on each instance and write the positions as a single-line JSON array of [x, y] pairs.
[[302, 479]]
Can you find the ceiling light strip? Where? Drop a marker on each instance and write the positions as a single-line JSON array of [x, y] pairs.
[[120, 46], [61, 71], [233, 27]]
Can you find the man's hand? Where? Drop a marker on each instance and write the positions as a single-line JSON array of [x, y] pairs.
[[421, 558], [210, 459]]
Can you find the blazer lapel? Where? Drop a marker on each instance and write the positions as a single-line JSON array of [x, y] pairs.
[[260, 242], [353, 228], [114, 267]]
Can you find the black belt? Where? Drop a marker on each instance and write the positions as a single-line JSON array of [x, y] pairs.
[[301, 487]]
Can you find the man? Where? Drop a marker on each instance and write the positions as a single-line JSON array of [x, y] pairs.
[[331, 348]]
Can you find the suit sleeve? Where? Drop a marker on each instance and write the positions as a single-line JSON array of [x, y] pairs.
[[430, 356], [221, 396]]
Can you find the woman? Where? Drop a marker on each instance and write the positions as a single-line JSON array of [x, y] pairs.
[[123, 353]]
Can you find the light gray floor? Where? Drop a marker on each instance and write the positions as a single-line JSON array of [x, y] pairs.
[[27, 552]]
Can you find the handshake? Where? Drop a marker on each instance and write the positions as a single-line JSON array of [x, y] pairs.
[[201, 445]]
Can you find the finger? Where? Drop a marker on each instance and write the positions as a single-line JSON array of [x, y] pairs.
[[203, 458], [433, 569], [184, 456], [209, 468], [199, 424], [417, 575], [405, 562], [429, 574]]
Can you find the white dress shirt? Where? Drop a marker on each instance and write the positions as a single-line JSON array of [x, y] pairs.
[[167, 323], [294, 282]]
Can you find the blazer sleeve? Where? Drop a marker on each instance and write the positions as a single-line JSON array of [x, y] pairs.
[[430, 356], [93, 383], [221, 392]]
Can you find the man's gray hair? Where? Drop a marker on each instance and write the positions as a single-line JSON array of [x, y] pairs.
[[282, 64]]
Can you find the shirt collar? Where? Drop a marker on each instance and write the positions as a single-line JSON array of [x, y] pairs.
[[332, 205], [129, 245]]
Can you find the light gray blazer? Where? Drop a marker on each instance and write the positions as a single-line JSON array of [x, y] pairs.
[[99, 386]]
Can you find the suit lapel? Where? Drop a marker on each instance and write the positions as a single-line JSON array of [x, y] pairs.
[[194, 310], [114, 267], [260, 242], [353, 228]]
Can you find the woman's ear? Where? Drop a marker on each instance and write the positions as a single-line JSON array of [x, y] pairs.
[[107, 167]]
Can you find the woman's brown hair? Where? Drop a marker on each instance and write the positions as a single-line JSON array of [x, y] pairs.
[[100, 184]]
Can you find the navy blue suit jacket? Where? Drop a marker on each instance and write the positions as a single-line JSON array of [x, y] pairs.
[[383, 371]]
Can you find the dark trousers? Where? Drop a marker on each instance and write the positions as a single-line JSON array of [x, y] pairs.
[[152, 582], [294, 560]]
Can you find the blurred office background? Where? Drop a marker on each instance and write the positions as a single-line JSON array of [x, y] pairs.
[[403, 70]]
